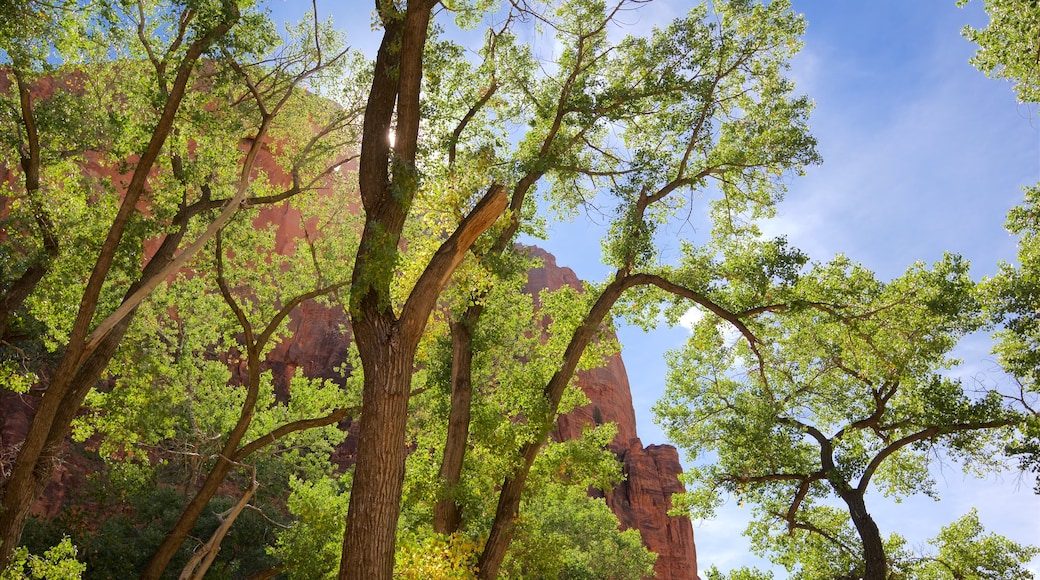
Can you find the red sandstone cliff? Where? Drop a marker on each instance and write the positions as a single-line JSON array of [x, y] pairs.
[[642, 500]]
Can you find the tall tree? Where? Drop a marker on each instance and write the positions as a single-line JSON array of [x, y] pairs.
[[704, 100], [836, 391], [387, 340], [104, 116]]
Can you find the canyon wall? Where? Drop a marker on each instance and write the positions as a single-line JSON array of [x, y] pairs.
[[643, 499]]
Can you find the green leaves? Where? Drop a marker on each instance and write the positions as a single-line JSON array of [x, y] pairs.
[[57, 563], [965, 552], [844, 391], [564, 533], [310, 548], [1007, 46]]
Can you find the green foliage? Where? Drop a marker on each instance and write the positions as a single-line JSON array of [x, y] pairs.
[[57, 563], [965, 553], [840, 391], [436, 556], [1011, 299], [310, 548], [565, 534], [1008, 47], [745, 573], [829, 549]]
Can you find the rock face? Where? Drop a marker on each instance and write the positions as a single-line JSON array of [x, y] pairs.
[[643, 499]]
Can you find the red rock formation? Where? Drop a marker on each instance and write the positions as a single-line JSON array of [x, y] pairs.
[[643, 499]]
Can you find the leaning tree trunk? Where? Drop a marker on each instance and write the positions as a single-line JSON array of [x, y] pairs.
[[52, 422], [82, 363], [509, 497], [203, 558]]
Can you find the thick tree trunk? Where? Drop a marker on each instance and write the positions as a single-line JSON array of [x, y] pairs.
[[447, 515], [387, 342], [875, 562], [375, 499], [18, 500]]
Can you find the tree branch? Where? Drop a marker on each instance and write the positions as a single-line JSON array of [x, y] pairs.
[[923, 434], [427, 289], [301, 425]]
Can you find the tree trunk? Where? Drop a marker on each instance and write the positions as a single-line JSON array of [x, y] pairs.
[[203, 558], [509, 497], [80, 367], [55, 414], [39, 454], [375, 498], [387, 342], [447, 516], [186, 522], [18, 501], [876, 565], [505, 515]]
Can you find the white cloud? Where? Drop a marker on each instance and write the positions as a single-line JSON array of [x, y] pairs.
[[691, 318]]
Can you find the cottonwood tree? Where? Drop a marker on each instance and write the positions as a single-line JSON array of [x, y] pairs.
[[105, 121], [835, 391], [644, 122]]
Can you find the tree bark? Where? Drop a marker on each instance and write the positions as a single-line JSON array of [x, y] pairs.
[[16, 292], [203, 558], [447, 515], [874, 560], [386, 343], [375, 501], [186, 522]]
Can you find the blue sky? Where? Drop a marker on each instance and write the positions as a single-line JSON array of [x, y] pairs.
[[922, 155]]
